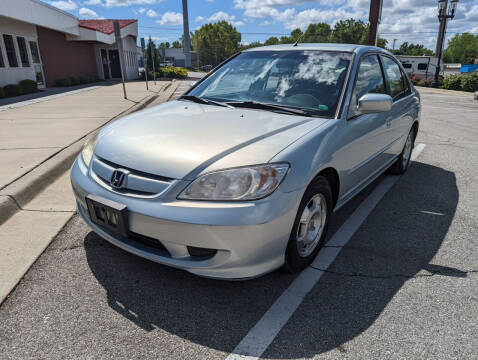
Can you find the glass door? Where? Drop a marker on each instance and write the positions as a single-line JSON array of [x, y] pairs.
[[37, 64]]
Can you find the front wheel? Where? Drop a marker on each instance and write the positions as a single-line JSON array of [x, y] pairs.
[[403, 161], [310, 226]]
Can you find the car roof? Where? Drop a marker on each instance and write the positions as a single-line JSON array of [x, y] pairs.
[[317, 46]]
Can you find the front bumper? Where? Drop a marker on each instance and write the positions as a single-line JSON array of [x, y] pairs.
[[250, 237]]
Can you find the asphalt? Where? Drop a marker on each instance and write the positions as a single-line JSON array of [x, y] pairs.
[[405, 286]]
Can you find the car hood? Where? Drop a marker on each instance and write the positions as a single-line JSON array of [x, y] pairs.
[[181, 139]]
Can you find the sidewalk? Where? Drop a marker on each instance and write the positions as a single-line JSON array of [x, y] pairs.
[[33, 133], [38, 144]]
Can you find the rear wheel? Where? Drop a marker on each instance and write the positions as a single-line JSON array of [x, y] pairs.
[[403, 161], [310, 226]]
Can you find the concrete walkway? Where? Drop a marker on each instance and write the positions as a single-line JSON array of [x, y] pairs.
[[31, 134]]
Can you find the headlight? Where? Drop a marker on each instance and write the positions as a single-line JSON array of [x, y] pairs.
[[88, 148], [246, 183]]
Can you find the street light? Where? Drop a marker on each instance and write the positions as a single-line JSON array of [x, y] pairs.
[[445, 12]]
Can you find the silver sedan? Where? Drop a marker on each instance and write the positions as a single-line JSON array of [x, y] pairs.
[[241, 175]]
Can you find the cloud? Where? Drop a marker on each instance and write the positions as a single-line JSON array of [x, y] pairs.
[[199, 18], [171, 18], [151, 13], [64, 5], [118, 3], [221, 15], [88, 13], [93, 2], [142, 10]]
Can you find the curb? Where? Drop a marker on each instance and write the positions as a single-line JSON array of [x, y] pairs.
[[17, 194]]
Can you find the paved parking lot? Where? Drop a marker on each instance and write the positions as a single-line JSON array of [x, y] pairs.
[[404, 286]]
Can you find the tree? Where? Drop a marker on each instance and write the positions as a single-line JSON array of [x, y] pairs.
[[411, 49], [317, 33], [151, 49], [176, 45], [216, 42], [350, 31], [164, 45], [462, 48], [272, 41]]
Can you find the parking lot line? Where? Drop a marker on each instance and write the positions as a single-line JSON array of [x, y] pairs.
[[253, 345]]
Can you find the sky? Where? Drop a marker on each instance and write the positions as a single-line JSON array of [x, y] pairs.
[[404, 20]]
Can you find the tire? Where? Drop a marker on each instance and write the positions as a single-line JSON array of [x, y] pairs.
[[403, 161], [303, 246]]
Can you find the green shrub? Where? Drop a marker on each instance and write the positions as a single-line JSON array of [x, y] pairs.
[[12, 90], [469, 82], [74, 80], [28, 86], [452, 82], [63, 82], [2, 93], [173, 72], [84, 79]]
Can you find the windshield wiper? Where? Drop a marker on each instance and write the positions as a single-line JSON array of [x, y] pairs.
[[265, 106], [201, 100]]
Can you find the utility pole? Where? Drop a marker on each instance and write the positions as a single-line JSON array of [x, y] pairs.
[[374, 17], [187, 41], [445, 12], [119, 45], [145, 64], [393, 47], [153, 55]]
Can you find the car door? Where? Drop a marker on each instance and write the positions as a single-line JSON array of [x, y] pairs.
[[400, 119], [364, 135]]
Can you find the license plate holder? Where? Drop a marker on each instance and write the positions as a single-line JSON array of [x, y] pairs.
[[108, 214]]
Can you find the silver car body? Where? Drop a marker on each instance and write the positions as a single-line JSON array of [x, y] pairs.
[[168, 146]]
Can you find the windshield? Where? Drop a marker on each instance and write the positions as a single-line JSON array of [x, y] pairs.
[[307, 80]]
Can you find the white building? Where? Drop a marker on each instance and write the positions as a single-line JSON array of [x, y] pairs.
[[43, 43]]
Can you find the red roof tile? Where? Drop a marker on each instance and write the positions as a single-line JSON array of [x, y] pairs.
[[105, 26]]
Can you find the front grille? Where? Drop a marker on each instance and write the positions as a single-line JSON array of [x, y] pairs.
[[137, 183]]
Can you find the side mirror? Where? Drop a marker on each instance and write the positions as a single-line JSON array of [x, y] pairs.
[[192, 83], [374, 103]]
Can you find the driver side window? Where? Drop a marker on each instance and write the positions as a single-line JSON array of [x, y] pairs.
[[369, 80]]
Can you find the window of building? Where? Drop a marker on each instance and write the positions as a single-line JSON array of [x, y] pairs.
[[422, 66], [10, 48], [34, 52], [2, 63], [22, 47], [407, 66]]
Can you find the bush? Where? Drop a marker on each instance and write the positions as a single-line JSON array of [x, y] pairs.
[[425, 83], [469, 82], [28, 86], [63, 82], [12, 90], [174, 72], [84, 79], [74, 80], [466, 82], [452, 82], [415, 79], [2, 93]]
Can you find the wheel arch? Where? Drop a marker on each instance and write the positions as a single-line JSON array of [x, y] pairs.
[[332, 177]]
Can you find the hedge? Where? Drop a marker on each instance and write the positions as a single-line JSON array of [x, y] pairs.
[[12, 90], [28, 86], [466, 82], [77, 80], [171, 72]]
